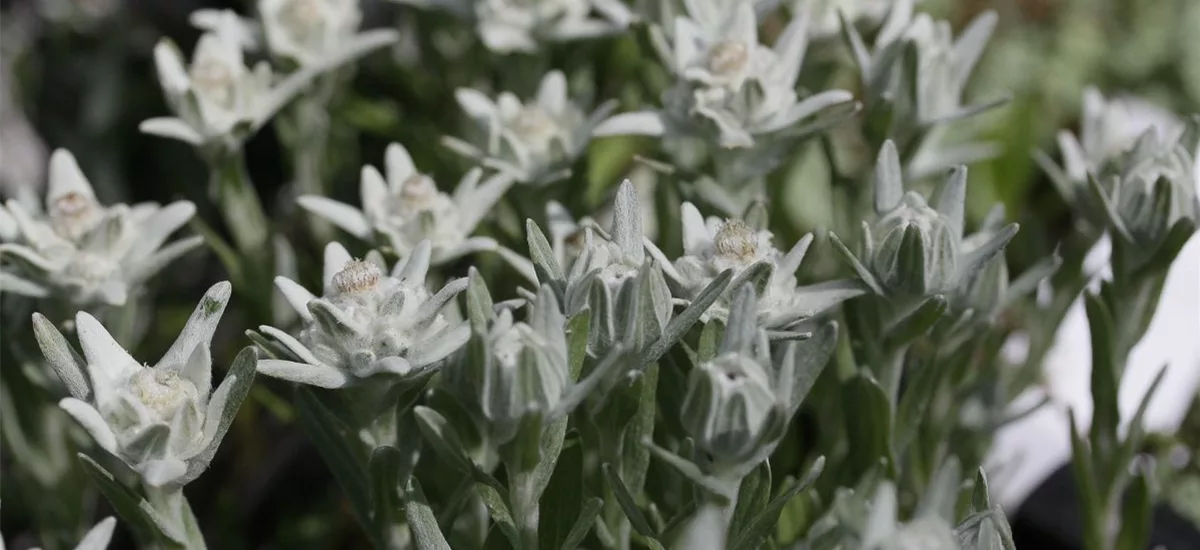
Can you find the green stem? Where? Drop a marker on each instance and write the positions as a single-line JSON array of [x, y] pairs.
[[172, 507], [523, 500], [243, 214]]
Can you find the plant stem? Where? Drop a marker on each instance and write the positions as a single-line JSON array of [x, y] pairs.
[[171, 506], [523, 500], [247, 221]]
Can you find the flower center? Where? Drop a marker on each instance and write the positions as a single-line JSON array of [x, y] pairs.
[[214, 81], [727, 57], [162, 391], [357, 276], [419, 192], [73, 214], [736, 240], [90, 267], [302, 17], [535, 126]]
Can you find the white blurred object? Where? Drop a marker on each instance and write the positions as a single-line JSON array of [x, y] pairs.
[[23, 155], [1028, 451]]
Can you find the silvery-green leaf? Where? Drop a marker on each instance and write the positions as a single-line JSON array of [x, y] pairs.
[[542, 254], [860, 270], [952, 197], [63, 358], [741, 330], [681, 323], [442, 438], [427, 535], [973, 260], [90, 419], [225, 402], [627, 223]]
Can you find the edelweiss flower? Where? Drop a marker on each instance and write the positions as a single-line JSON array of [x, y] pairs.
[[712, 246], [218, 100], [507, 26], [85, 252], [1109, 128], [306, 31], [160, 420], [365, 323], [612, 260], [535, 142], [406, 208], [732, 89], [216, 97]]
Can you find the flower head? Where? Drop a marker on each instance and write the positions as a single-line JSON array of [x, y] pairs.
[[730, 89], [219, 101], [308, 30], [713, 245], [534, 141], [365, 323], [406, 207], [165, 421], [83, 251], [507, 26]]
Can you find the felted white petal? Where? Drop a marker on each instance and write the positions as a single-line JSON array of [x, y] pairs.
[[200, 326], [552, 92], [374, 192], [171, 128], [689, 41], [336, 258], [348, 218], [102, 352], [640, 123], [322, 376], [160, 472], [66, 177], [291, 343], [416, 266], [154, 229], [168, 62], [399, 165], [475, 104], [297, 296], [696, 236], [90, 419], [98, 537]]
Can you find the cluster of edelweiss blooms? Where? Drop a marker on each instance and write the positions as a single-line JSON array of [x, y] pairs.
[[371, 326]]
